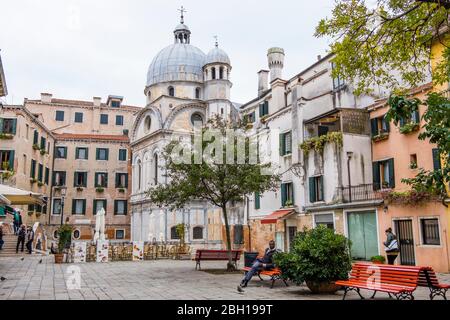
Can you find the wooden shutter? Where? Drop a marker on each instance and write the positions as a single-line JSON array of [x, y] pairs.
[[386, 124], [436, 159], [281, 146], [391, 173], [106, 180], [374, 126], [257, 200], [283, 194], [14, 125], [321, 188], [33, 168], [47, 174], [11, 160], [416, 116], [117, 180], [1, 125], [292, 193], [312, 190], [107, 154], [35, 137], [266, 107], [376, 175], [73, 206]]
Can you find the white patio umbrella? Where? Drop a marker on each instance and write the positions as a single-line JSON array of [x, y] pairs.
[[100, 225], [4, 200], [20, 197]]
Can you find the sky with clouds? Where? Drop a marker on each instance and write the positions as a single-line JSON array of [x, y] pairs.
[[77, 49]]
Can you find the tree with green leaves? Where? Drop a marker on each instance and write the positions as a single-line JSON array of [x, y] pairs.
[[387, 42], [211, 172]]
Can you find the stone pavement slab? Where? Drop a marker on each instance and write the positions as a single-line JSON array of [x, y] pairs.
[[155, 280]]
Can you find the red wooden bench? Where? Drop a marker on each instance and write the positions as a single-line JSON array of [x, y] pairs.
[[428, 278], [215, 255], [399, 281], [274, 274]]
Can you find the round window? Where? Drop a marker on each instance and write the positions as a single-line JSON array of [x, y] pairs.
[[76, 234], [196, 117], [147, 123]]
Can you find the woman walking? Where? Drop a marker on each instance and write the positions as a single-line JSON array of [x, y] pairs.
[[391, 246]]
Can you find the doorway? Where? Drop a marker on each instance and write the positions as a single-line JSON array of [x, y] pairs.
[[404, 232], [362, 231]]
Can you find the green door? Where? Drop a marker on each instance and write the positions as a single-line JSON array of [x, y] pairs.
[[362, 231]]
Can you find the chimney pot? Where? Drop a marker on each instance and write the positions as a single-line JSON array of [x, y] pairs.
[[263, 81], [97, 101], [46, 97]]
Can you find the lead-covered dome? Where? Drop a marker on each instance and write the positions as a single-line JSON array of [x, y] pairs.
[[217, 55], [177, 62]]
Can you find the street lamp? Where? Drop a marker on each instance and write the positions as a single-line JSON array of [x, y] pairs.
[[63, 195], [349, 157]]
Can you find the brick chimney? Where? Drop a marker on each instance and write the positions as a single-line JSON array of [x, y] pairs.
[[46, 97]]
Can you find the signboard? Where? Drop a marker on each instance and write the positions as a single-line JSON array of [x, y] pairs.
[[138, 250], [79, 252], [102, 250]]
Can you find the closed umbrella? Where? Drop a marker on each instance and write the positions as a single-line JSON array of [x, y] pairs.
[[100, 225]]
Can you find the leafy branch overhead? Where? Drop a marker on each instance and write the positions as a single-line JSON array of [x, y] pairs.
[[387, 44]]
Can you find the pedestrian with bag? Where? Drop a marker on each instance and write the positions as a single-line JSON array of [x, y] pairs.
[[391, 246]]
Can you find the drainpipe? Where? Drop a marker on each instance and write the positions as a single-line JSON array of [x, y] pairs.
[[50, 198], [248, 224]]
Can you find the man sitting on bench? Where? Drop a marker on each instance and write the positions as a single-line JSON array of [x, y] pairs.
[[264, 263]]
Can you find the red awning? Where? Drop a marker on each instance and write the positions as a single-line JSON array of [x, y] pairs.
[[276, 215]]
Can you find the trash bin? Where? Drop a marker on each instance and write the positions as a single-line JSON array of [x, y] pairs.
[[249, 258]]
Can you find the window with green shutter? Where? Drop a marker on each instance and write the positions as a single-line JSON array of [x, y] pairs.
[[257, 200], [436, 159], [80, 179], [101, 180], [35, 137], [8, 125], [33, 169], [102, 154], [122, 154], [81, 153], [287, 194], [285, 143], [43, 143], [263, 108], [374, 126], [98, 205], [40, 172], [316, 189], [121, 180], [79, 206], [47, 175], [376, 175]]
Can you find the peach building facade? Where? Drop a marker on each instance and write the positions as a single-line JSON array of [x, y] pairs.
[[422, 230]]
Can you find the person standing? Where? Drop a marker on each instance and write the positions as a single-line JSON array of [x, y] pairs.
[[391, 246], [17, 221], [21, 234], [30, 237]]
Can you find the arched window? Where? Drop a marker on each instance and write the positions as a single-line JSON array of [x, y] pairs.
[[147, 123], [155, 167], [139, 173], [171, 91], [197, 233], [196, 117], [197, 93], [173, 233], [213, 73], [221, 73]]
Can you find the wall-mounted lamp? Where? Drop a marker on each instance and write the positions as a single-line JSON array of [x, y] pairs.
[[385, 209]]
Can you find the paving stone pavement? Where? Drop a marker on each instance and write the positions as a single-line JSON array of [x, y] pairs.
[[155, 280]]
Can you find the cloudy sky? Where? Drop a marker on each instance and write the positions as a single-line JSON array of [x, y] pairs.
[[77, 49]]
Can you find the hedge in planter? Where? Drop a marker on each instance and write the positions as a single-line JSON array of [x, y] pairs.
[[319, 257]]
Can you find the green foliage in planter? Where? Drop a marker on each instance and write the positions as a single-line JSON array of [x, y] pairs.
[[33, 180], [318, 143], [380, 259], [40, 183], [407, 198], [413, 165], [122, 190], [43, 151], [36, 147], [318, 255], [381, 136], [100, 189], [409, 127], [288, 203], [79, 188], [6, 136], [64, 236], [5, 165], [7, 174]]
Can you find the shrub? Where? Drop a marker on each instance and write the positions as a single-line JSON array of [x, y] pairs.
[[380, 259], [318, 255], [64, 236]]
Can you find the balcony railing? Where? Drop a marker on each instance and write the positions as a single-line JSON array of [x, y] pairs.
[[362, 192]]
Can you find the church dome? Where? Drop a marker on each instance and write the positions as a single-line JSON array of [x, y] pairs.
[[217, 55], [177, 62]]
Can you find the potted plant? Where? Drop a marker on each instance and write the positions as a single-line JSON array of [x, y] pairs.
[[40, 183], [378, 259], [121, 190], [64, 237], [288, 203], [318, 257], [100, 189], [36, 146], [79, 188], [43, 151], [33, 180]]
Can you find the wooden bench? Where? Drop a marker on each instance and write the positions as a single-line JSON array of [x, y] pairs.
[[399, 281], [274, 274], [428, 278], [215, 255]]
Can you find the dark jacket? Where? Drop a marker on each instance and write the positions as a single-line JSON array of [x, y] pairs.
[[22, 233], [268, 258]]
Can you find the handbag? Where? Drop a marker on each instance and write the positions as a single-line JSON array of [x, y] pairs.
[[393, 246]]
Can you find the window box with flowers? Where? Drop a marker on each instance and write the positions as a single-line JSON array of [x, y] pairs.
[[413, 165], [36, 147], [409, 127], [40, 183], [380, 137], [33, 180], [100, 189], [80, 188], [121, 189], [43, 151], [6, 136]]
